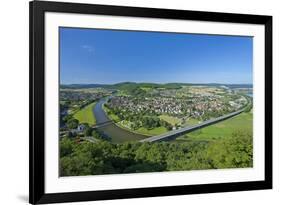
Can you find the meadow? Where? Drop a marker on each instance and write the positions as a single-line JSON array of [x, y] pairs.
[[170, 119], [85, 115], [240, 123]]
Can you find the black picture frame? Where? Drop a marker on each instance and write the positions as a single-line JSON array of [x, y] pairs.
[[37, 193]]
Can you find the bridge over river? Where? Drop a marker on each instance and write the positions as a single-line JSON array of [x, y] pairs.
[[120, 135], [179, 132], [102, 124]]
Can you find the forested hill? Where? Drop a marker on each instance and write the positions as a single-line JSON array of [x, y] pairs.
[[133, 85], [103, 157], [124, 85]]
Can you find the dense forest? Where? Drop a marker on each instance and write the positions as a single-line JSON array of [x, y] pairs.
[[103, 157]]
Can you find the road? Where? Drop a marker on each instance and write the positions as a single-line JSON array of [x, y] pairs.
[[179, 132], [90, 139]]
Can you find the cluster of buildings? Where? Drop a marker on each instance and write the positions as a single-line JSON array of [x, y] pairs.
[[74, 99], [238, 103], [193, 105], [158, 105], [79, 95]]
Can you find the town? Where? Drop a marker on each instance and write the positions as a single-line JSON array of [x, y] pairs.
[[145, 109], [174, 108]]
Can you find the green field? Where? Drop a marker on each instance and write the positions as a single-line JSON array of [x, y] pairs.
[[146, 88], [112, 116], [151, 132], [86, 115], [172, 120], [240, 123], [192, 121]]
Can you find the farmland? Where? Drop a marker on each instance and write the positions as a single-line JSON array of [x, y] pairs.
[[170, 119], [85, 115], [242, 123]]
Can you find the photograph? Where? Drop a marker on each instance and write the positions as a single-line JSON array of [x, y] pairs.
[[147, 101], [132, 102]]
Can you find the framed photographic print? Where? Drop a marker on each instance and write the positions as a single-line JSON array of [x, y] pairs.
[[140, 102]]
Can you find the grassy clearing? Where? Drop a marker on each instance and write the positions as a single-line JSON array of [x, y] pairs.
[[155, 131], [149, 132], [240, 123], [121, 93], [174, 120], [192, 121], [146, 88], [170, 119], [86, 114], [111, 116]]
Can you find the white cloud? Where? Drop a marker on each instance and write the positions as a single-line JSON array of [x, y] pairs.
[[88, 48]]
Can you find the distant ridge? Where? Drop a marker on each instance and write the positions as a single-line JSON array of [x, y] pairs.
[[77, 86], [123, 85]]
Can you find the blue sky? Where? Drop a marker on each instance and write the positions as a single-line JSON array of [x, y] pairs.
[[107, 56]]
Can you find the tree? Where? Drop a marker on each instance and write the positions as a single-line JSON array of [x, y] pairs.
[[88, 131], [67, 117], [103, 157], [72, 123], [231, 153], [96, 134], [69, 134], [66, 146]]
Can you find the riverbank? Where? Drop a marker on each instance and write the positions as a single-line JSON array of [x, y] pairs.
[[85, 115], [124, 125], [116, 133]]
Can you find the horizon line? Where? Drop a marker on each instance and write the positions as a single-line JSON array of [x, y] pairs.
[[152, 83]]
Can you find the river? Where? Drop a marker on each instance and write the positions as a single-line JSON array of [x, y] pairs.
[[117, 134], [250, 95]]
